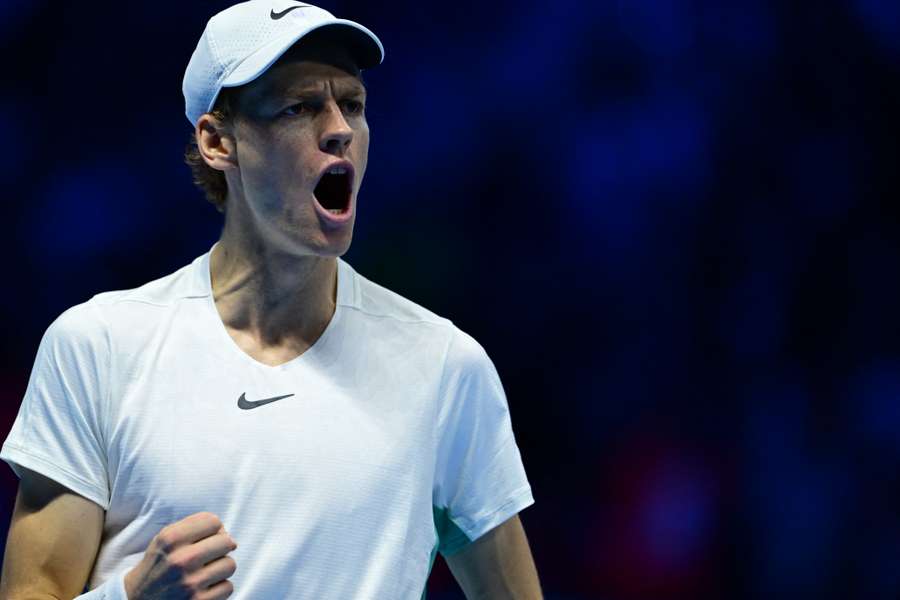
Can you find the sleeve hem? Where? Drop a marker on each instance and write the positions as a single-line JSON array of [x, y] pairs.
[[522, 499], [14, 454]]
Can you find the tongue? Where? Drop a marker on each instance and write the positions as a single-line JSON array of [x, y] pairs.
[[332, 191]]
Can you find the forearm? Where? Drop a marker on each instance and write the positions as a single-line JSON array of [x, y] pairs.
[[499, 566], [515, 578]]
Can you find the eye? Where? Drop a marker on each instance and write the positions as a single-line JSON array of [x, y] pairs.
[[354, 107], [296, 109]]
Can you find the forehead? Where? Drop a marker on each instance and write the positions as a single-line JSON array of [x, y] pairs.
[[290, 77]]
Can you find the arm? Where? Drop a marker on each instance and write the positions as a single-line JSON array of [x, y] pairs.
[[53, 541], [498, 565]]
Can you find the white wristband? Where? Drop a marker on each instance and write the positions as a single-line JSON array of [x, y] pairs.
[[111, 589]]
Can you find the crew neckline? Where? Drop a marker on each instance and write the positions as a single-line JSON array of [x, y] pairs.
[[312, 353]]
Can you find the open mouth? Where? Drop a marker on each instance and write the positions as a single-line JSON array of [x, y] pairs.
[[335, 188]]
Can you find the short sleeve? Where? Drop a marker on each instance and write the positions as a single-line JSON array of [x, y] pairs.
[[58, 431], [480, 479]]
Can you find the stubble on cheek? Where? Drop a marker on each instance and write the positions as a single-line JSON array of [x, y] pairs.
[[362, 159], [284, 182]]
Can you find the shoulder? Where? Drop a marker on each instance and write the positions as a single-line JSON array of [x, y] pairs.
[[128, 310], [78, 325], [460, 350], [161, 292], [378, 302], [92, 322]]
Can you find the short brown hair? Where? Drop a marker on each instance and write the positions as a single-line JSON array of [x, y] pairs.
[[212, 181]]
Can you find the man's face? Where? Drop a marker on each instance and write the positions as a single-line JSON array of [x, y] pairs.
[[294, 123]]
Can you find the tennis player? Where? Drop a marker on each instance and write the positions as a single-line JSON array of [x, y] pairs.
[[265, 422]]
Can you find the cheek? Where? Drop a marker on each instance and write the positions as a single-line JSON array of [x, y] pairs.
[[362, 153], [272, 163], [253, 153]]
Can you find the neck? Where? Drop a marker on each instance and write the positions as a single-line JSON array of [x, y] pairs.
[[269, 294]]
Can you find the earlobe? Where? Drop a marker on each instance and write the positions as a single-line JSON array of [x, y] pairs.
[[215, 143]]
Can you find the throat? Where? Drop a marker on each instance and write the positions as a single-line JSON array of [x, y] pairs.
[[274, 306], [269, 355]]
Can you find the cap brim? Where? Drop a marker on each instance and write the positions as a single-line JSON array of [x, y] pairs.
[[364, 47]]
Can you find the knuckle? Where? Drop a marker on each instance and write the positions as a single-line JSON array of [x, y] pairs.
[[183, 561], [192, 591], [190, 585], [165, 541]]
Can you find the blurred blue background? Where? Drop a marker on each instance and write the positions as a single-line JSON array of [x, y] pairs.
[[673, 225]]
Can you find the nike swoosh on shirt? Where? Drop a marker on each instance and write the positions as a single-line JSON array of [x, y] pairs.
[[248, 404], [275, 16]]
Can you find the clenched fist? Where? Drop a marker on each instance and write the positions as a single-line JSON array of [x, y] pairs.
[[185, 561]]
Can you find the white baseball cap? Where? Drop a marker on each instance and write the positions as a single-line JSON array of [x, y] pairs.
[[244, 40]]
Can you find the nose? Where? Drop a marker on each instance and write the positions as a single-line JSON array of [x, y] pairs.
[[336, 133]]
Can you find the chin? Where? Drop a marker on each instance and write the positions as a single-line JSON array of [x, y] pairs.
[[319, 243]]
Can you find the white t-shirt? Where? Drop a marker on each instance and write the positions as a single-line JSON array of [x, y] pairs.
[[394, 441]]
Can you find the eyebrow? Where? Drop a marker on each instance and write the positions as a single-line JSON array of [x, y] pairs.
[[306, 88]]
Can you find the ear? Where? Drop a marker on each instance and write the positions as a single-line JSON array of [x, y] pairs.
[[216, 143]]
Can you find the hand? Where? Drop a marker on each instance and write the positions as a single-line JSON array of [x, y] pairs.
[[186, 560]]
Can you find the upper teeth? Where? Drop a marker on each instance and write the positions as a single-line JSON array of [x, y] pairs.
[[337, 170]]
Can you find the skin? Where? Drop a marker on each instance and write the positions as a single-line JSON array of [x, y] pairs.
[[274, 272], [498, 565]]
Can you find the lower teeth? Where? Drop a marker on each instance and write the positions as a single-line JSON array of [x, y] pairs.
[[335, 211]]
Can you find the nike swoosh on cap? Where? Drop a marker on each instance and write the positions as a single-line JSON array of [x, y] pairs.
[[275, 16], [248, 404]]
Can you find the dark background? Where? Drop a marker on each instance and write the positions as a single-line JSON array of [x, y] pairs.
[[672, 225]]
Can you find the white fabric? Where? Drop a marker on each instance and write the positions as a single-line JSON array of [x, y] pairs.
[[330, 493], [241, 42], [112, 589]]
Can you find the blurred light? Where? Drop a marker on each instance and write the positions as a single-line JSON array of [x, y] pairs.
[[677, 514], [664, 29], [14, 12], [752, 317], [631, 160], [20, 131], [875, 395], [86, 210], [882, 19], [653, 534], [823, 173], [797, 499], [738, 33]]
